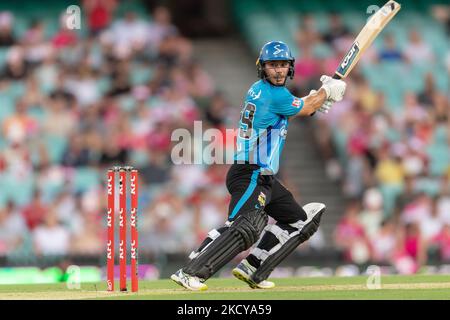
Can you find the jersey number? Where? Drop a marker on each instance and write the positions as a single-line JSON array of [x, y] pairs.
[[247, 115]]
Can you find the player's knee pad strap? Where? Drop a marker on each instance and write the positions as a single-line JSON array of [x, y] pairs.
[[212, 235], [305, 229], [282, 236], [241, 235]]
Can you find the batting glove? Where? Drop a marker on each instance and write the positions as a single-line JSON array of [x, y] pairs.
[[326, 106], [334, 88]]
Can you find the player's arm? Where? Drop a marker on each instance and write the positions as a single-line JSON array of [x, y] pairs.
[[312, 102], [332, 90], [284, 103]]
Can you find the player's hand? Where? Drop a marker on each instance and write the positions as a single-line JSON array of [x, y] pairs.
[[334, 88], [326, 106]]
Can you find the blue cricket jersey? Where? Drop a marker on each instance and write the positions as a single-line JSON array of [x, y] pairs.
[[263, 125]]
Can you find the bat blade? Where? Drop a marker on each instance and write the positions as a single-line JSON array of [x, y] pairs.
[[366, 36]]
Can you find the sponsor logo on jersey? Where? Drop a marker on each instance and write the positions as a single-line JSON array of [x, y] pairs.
[[252, 94], [262, 199]]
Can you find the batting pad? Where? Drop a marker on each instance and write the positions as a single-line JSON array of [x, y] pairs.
[[287, 241], [241, 235]]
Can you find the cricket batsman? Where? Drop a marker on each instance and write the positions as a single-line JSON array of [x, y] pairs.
[[255, 192]]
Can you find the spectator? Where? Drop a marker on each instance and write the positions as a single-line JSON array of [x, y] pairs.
[[68, 210], [350, 236], [51, 238], [160, 28], [417, 210], [336, 31], [411, 250], [16, 67], [443, 241], [127, 35], [12, 229], [426, 97], [36, 48], [443, 202], [390, 52], [85, 241], [414, 160], [367, 97], [371, 216], [182, 223], [65, 37], [84, 87], [418, 51], [216, 112], [121, 84], [76, 153], [112, 154], [384, 243], [431, 226], [355, 175], [158, 227], [34, 97], [20, 126], [201, 84], [60, 120], [99, 14], [61, 92], [157, 171], [306, 67], [441, 110], [6, 31], [388, 170], [307, 32], [209, 211], [407, 196], [35, 212]]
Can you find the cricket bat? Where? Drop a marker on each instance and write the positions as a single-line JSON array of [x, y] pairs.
[[373, 27]]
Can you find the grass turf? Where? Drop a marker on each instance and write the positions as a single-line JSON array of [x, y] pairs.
[[392, 287]]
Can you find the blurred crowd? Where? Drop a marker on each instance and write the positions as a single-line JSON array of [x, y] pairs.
[[76, 102], [392, 157]]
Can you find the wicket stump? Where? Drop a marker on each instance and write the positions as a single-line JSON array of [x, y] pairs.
[[122, 228]]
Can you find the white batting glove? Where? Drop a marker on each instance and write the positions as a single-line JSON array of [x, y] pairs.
[[326, 106], [334, 88]]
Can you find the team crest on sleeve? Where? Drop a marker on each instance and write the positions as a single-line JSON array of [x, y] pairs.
[[296, 103]]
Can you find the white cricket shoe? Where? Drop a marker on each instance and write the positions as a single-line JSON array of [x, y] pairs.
[[189, 282], [244, 271]]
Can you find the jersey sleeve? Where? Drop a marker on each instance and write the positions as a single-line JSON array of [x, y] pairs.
[[284, 103]]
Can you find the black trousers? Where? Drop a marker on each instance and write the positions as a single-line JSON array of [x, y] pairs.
[[250, 189]]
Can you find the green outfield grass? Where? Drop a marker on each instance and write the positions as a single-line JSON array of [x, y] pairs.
[[392, 287]]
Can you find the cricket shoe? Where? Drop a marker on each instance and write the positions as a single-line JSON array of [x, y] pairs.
[[244, 271], [189, 282]]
